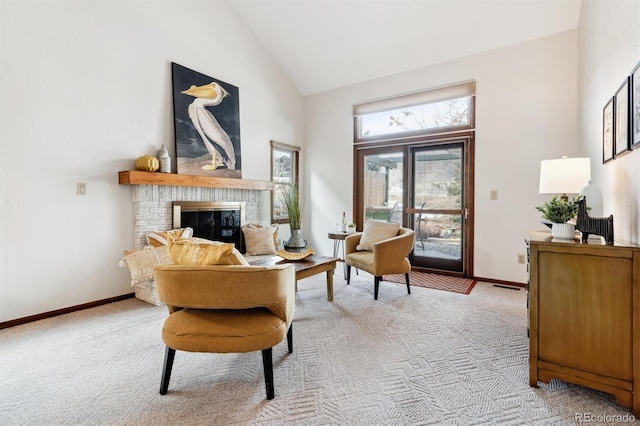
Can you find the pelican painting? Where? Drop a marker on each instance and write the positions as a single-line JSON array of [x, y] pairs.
[[207, 124]]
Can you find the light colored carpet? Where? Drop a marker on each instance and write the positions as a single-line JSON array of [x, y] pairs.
[[432, 357]]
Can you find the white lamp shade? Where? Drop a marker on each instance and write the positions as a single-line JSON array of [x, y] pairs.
[[564, 175]]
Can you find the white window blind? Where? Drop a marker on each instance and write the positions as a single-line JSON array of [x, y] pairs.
[[453, 91]]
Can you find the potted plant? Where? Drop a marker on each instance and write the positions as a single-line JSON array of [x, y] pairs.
[[291, 199], [559, 211], [351, 228]]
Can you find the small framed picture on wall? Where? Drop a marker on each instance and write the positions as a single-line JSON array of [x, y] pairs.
[[635, 106], [621, 119], [607, 131]]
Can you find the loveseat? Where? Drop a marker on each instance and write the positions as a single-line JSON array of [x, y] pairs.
[[261, 242]]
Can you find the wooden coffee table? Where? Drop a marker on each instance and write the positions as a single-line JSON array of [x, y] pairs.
[[305, 268]]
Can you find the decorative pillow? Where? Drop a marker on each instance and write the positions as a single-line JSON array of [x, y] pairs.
[[375, 231], [275, 231], [260, 239], [161, 238], [142, 262], [184, 252]]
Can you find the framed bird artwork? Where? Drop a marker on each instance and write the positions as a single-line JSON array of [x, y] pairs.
[[206, 115]]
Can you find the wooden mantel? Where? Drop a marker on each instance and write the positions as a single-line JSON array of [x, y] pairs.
[[135, 177]]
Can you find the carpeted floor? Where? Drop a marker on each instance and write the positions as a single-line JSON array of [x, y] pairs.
[[429, 358], [434, 281]]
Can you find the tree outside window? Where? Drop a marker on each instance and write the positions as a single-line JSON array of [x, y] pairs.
[[436, 115]]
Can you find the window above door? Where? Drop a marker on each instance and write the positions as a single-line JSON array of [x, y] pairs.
[[434, 111]]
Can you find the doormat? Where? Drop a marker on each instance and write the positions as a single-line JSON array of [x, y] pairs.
[[434, 281]]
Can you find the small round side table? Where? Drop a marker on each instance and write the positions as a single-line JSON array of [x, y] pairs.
[[338, 243]]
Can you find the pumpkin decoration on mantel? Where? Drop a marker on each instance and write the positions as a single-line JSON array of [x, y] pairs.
[[147, 163]]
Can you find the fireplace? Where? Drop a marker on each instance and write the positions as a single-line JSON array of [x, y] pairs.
[[154, 211], [153, 205], [213, 220]]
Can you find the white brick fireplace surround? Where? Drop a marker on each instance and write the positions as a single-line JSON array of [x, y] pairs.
[[153, 205]]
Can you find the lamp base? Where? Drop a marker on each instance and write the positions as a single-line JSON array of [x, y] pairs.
[[593, 196]]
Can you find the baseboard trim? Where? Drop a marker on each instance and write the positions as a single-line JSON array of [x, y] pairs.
[[63, 311], [461, 275], [501, 282]]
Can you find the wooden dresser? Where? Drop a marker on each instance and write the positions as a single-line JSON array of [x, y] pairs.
[[584, 315]]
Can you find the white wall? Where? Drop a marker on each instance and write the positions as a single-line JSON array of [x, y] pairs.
[[526, 112], [85, 88], [609, 48]]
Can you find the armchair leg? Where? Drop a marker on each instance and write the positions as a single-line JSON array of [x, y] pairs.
[[348, 274], [376, 285], [169, 355], [406, 277], [267, 362], [290, 339]]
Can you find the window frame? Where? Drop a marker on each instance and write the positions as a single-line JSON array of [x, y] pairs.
[[295, 175], [453, 91]]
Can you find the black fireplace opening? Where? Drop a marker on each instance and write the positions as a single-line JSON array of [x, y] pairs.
[[213, 221]]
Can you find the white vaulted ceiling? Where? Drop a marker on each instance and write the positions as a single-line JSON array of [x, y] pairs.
[[326, 44]]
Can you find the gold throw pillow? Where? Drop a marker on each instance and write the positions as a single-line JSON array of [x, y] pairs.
[[184, 252], [161, 238]]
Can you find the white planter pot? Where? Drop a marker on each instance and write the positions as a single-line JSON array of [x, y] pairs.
[[563, 231]]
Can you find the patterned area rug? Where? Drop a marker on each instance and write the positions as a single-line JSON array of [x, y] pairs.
[[435, 281]]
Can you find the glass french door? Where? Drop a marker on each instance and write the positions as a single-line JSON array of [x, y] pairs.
[[425, 186], [383, 185], [380, 185], [439, 206]]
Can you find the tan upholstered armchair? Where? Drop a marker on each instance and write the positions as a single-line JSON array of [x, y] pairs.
[[226, 309], [388, 256]]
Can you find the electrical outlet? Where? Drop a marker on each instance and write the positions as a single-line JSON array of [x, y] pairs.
[[493, 194], [81, 189], [520, 258]]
